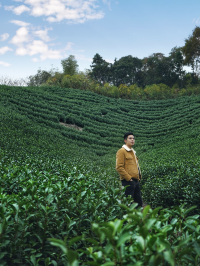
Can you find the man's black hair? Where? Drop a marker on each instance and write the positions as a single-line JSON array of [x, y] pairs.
[[127, 134]]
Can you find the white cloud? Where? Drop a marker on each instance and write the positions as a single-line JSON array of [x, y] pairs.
[[109, 61], [20, 23], [22, 35], [33, 42], [43, 34], [69, 46], [18, 10], [27, 45], [9, 8], [77, 11], [38, 48], [82, 57], [41, 48], [4, 37], [108, 3], [5, 64], [5, 49], [51, 54], [196, 21], [53, 44]]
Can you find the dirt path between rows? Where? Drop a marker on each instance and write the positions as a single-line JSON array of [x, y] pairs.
[[71, 126]]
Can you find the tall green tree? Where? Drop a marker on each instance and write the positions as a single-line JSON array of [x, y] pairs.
[[154, 69], [40, 78], [191, 49], [176, 64], [127, 70], [70, 65], [158, 68], [100, 69]]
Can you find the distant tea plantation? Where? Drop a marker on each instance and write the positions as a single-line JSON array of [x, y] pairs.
[[61, 201]]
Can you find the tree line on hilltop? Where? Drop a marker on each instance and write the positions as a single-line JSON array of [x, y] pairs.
[[155, 69], [132, 77]]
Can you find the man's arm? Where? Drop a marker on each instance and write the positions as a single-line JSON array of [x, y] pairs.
[[120, 160]]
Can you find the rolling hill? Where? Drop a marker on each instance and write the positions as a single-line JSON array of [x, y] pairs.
[[53, 120], [58, 178]]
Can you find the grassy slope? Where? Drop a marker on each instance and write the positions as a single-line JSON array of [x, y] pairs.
[[165, 131], [73, 174]]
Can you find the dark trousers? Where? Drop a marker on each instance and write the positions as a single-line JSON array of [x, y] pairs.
[[133, 189]]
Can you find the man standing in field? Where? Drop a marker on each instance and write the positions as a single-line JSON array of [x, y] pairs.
[[128, 168]]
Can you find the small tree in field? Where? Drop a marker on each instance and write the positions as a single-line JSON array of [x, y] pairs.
[[40, 78], [70, 66]]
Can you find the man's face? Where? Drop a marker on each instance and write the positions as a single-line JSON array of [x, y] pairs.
[[130, 141]]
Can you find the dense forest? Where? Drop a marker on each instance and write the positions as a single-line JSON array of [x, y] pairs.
[[154, 69]]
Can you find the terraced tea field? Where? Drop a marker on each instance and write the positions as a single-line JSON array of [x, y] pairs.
[[102, 120], [58, 179]]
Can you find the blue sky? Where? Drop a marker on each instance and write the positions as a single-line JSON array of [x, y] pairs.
[[40, 33]]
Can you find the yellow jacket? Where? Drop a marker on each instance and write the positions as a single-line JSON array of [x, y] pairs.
[[127, 164]]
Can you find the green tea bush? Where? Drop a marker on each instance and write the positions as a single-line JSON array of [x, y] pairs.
[[171, 186], [152, 237], [56, 182], [42, 199]]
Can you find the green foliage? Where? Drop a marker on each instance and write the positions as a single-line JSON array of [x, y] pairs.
[[151, 78], [150, 92], [158, 92], [48, 198], [191, 49], [79, 81], [172, 186], [41, 77], [70, 66], [32, 115], [54, 80], [126, 85], [127, 70], [151, 237], [100, 69], [59, 181], [155, 69]]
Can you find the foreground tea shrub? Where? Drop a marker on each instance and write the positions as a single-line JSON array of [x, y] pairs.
[[152, 237], [42, 199]]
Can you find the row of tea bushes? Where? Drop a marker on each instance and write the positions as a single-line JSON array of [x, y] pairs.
[[101, 117], [172, 185], [152, 238], [42, 198], [44, 201]]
